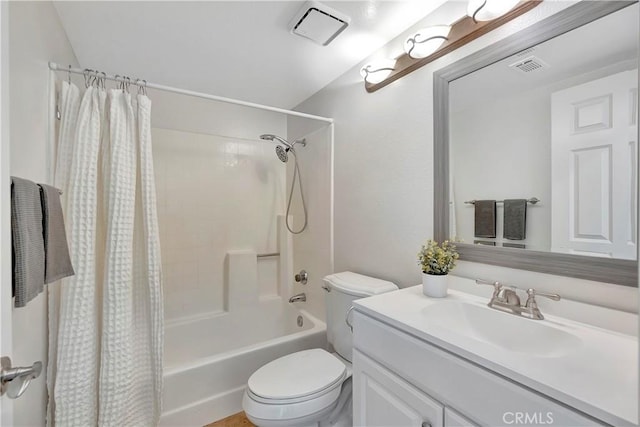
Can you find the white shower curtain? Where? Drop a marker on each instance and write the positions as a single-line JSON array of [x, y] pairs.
[[106, 322]]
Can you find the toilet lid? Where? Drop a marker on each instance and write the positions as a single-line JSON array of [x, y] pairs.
[[297, 375]]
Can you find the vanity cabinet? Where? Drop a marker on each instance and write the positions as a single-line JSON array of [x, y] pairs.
[[454, 419], [400, 380], [384, 399]]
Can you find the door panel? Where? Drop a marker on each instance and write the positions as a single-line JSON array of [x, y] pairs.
[[594, 170]]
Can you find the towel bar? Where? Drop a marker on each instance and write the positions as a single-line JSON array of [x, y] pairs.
[[532, 200]]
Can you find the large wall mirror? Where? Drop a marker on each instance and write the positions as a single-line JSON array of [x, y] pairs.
[[536, 146]]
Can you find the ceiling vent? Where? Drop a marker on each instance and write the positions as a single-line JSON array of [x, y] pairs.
[[319, 23], [525, 52], [529, 64]]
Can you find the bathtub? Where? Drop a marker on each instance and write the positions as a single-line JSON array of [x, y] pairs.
[[208, 361]]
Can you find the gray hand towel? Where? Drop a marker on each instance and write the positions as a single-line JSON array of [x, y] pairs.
[[27, 240], [515, 219], [485, 218], [56, 250]]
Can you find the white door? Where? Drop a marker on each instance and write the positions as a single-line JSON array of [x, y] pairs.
[[6, 418], [383, 399], [594, 167]]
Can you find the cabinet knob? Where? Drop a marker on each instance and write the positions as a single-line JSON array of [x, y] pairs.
[[426, 424]]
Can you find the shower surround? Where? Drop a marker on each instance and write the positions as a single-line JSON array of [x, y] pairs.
[[215, 195], [221, 202]]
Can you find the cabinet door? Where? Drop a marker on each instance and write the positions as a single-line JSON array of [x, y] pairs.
[[454, 419], [380, 398]]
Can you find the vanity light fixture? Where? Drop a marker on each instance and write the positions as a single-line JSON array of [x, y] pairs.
[[426, 41], [432, 43], [486, 10], [377, 71]]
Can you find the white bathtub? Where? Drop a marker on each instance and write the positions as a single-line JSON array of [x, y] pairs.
[[208, 360]]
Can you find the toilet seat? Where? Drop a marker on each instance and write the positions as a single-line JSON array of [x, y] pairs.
[[302, 385], [297, 377]]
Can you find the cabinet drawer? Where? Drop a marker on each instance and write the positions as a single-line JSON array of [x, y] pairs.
[[477, 393], [382, 399]]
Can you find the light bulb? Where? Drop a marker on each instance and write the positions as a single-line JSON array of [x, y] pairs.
[[377, 71], [426, 41], [486, 10]]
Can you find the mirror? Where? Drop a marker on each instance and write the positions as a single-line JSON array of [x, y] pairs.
[[536, 147]]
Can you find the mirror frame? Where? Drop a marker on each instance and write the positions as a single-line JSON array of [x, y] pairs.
[[609, 270]]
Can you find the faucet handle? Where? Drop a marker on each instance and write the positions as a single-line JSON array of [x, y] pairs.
[[497, 286], [533, 293]]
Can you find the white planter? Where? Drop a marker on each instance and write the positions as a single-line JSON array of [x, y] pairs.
[[435, 285]]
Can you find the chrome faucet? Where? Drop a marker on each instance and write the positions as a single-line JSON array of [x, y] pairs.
[[298, 298], [505, 298]]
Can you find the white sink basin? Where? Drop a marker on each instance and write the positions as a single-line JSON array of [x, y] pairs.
[[504, 330]]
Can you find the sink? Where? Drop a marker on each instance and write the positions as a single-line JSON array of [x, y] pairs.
[[504, 330]]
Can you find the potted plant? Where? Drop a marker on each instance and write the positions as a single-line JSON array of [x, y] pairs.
[[436, 262]]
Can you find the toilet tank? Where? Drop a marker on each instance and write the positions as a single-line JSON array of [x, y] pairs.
[[342, 289]]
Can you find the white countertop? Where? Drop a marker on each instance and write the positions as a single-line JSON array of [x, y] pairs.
[[599, 377]]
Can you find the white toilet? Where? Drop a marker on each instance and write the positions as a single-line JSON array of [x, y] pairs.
[[313, 387]]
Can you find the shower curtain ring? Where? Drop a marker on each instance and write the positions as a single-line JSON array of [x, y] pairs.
[[103, 80], [120, 81], [69, 75], [86, 75], [94, 78]]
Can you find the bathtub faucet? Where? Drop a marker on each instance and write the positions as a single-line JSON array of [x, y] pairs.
[[298, 298]]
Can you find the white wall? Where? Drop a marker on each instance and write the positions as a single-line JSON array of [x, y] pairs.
[[384, 170], [35, 38]]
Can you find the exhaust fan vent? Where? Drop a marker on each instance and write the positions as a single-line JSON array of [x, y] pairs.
[[319, 23], [529, 64]]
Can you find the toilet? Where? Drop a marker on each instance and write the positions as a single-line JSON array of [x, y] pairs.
[[313, 387]]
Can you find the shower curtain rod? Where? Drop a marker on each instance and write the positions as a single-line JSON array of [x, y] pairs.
[[55, 67]]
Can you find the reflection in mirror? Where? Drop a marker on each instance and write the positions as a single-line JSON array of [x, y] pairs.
[[556, 122]]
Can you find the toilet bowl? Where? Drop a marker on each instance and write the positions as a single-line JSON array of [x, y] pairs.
[[313, 387], [299, 389]]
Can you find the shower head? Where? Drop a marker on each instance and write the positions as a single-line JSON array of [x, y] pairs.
[[282, 153], [271, 137]]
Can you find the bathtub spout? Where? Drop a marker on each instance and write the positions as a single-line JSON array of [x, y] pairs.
[[298, 298]]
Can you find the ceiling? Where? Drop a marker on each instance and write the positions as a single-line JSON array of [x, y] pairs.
[[584, 51], [236, 49]]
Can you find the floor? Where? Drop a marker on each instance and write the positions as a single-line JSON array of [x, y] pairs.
[[237, 420]]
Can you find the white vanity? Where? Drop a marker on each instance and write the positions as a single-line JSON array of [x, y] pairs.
[[421, 361]]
